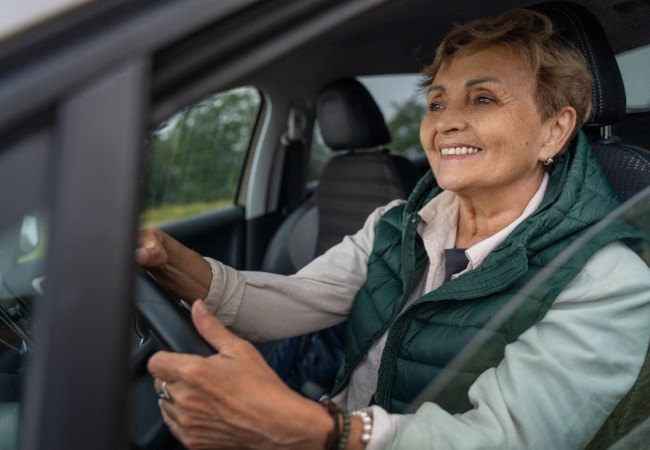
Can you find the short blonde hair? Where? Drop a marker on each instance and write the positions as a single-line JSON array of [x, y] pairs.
[[563, 78]]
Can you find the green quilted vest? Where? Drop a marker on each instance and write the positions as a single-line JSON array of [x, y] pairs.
[[423, 338]]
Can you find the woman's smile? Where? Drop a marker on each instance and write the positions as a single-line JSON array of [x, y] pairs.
[[458, 151]]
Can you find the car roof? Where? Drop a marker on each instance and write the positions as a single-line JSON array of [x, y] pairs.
[[394, 37], [360, 37], [18, 17]]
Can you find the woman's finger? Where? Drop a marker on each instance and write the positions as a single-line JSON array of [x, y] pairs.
[[210, 328], [172, 366]]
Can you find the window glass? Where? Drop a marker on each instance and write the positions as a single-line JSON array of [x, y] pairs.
[[402, 103], [635, 67], [196, 157], [23, 238]]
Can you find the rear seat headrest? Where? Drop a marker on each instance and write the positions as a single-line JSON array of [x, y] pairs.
[[582, 29], [348, 116]]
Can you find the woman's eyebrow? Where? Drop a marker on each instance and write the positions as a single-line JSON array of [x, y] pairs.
[[436, 87], [475, 81], [469, 83]]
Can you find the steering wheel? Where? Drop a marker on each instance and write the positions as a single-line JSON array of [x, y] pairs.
[[164, 324]]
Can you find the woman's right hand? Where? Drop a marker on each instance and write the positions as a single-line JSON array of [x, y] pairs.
[[151, 252], [179, 269]]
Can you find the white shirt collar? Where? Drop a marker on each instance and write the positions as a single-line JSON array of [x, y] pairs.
[[479, 251], [438, 226]]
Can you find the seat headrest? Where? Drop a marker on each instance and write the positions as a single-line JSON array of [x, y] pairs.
[[582, 29], [348, 116]]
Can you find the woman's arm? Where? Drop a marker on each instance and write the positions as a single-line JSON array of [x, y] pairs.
[[263, 306]]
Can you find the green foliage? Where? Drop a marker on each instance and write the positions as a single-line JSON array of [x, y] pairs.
[[319, 155], [404, 127], [197, 155]]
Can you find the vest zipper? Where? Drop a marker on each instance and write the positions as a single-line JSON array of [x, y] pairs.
[[389, 356]]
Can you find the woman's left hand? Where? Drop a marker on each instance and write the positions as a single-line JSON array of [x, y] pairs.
[[233, 399]]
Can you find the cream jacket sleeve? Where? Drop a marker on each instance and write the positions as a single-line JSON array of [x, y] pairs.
[[263, 306]]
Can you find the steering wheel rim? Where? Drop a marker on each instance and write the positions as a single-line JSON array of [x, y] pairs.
[[169, 327], [167, 318]]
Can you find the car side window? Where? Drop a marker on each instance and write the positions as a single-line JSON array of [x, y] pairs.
[[401, 102], [196, 157], [23, 241], [635, 67]]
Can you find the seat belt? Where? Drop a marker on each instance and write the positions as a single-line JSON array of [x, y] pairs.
[[292, 189]]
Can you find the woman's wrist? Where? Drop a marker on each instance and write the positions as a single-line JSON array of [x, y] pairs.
[[356, 441], [365, 421], [348, 431]]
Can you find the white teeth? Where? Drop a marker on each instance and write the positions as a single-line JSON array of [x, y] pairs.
[[459, 151]]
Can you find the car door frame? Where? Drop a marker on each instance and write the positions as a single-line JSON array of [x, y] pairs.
[[96, 75]]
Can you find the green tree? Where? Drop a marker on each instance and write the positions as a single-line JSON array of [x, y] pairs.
[[319, 155], [197, 154], [404, 127]]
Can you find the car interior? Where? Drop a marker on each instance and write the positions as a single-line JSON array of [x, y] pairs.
[[626, 166], [308, 62]]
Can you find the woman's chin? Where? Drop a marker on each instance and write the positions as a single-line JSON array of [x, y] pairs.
[[453, 185]]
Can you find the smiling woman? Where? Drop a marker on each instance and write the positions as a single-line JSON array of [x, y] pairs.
[[485, 102], [508, 144], [512, 183]]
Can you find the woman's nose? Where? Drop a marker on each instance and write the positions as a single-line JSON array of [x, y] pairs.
[[451, 119]]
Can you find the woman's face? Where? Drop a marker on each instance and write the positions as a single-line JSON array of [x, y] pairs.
[[482, 132]]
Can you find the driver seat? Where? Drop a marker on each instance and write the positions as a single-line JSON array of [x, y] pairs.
[[627, 168]]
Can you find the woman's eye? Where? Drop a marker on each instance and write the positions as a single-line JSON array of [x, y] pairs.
[[483, 100], [435, 106]]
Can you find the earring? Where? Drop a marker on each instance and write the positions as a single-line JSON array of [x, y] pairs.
[[549, 160]]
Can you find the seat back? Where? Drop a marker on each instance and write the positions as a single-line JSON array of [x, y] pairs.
[[627, 168], [352, 184]]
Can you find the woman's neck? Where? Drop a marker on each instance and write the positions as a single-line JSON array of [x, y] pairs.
[[482, 216]]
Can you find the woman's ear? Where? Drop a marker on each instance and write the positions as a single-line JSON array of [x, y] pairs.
[[560, 126]]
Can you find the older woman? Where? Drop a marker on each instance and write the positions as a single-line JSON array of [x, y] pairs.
[[505, 99]]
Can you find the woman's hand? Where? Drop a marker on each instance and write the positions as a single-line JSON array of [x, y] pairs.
[[233, 399], [180, 270], [151, 252]]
